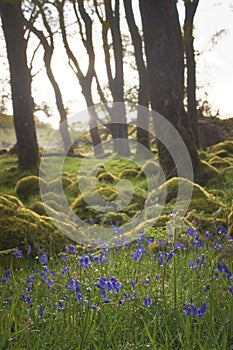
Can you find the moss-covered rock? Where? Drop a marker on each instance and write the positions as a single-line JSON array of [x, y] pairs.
[[107, 177], [21, 227], [219, 162], [54, 185], [74, 188], [39, 208], [226, 146], [97, 170], [28, 186], [201, 200], [128, 174], [82, 209], [150, 168], [207, 174], [113, 218]]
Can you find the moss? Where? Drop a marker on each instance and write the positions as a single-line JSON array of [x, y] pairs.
[[97, 170], [228, 174], [107, 177], [28, 186], [21, 227], [201, 200], [219, 163], [39, 208], [226, 146], [81, 207], [150, 168], [74, 189], [128, 174], [10, 200], [55, 184], [115, 218], [207, 174]]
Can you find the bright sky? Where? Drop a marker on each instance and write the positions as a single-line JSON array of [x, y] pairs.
[[214, 67]]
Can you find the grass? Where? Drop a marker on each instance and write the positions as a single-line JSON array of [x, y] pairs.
[[133, 296], [160, 291]]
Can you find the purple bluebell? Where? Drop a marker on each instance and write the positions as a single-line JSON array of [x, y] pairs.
[[222, 230], [187, 309], [147, 301], [41, 311], [18, 253]]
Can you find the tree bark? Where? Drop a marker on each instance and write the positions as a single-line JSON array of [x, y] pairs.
[[12, 23], [190, 10], [143, 94], [165, 62]]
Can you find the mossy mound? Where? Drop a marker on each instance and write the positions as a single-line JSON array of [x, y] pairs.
[[107, 177], [150, 168], [113, 218], [97, 170], [14, 201], [21, 227], [201, 200], [54, 185], [226, 146], [39, 208], [54, 201], [74, 188], [82, 209], [128, 174], [28, 186], [207, 174], [219, 162], [12, 175], [228, 174]]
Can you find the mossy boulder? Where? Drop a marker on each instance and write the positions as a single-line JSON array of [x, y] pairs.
[[54, 185], [97, 170], [113, 218], [82, 209], [200, 199], [74, 188], [21, 227], [219, 162], [226, 146], [107, 177], [128, 174], [207, 174], [29, 186], [150, 168]]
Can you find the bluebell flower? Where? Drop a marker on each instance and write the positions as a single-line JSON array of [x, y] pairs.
[[187, 309], [27, 299], [84, 262], [137, 255], [198, 243], [6, 275], [223, 268], [44, 258], [147, 282], [201, 310], [208, 235], [18, 253], [65, 270], [126, 296], [103, 259], [194, 309], [41, 311], [169, 256], [133, 283], [218, 246], [150, 241], [107, 301], [64, 257], [230, 289], [191, 233], [147, 301], [94, 307], [72, 249], [161, 256], [60, 306], [67, 248], [29, 250], [222, 230], [157, 277]]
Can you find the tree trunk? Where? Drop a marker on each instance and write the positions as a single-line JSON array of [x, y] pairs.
[[143, 137], [12, 23], [165, 62], [190, 9]]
